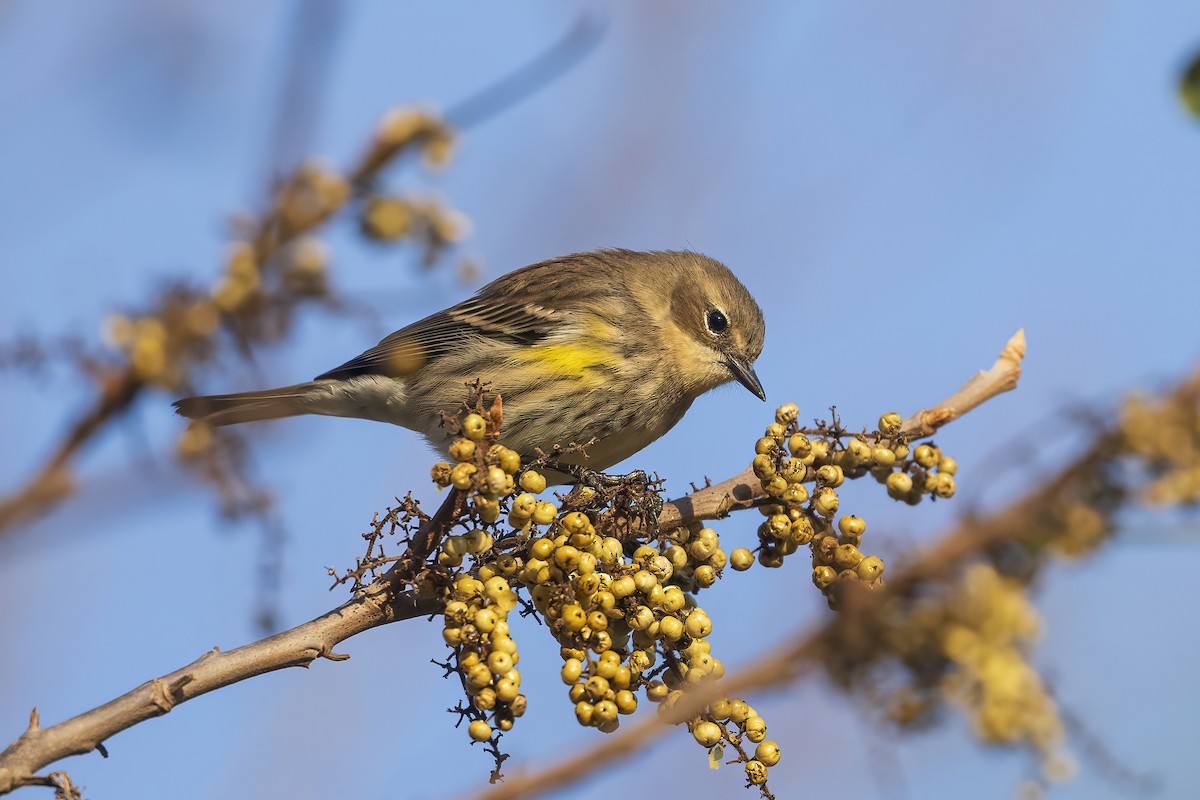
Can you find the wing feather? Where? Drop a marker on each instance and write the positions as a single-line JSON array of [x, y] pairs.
[[469, 323]]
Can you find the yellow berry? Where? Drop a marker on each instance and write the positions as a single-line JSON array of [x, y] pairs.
[[799, 445], [824, 577], [925, 455], [825, 502], [541, 549], [755, 728], [698, 625], [889, 425], [831, 475], [947, 466], [793, 470], [899, 484], [573, 617], [485, 700], [474, 427], [787, 413], [705, 575], [478, 541], [499, 663], [707, 733], [847, 556], [479, 730], [544, 513], [440, 473], [605, 712], [771, 558], [463, 476], [763, 466], [506, 690], [741, 559], [509, 461], [756, 772], [851, 525], [532, 481], [870, 568], [462, 449]]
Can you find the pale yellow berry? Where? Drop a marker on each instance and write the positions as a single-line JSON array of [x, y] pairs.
[[462, 450], [463, 476], [755, 728], [756, 772], [925, 455], [825, 502], [533, 481], [787, 413], [506, 690], [899, 484], [509, 461], [544, 513], [870, 568], [474, 427], [707, 733], [479, 730], [698, 624], [799, 445], [741, 559]]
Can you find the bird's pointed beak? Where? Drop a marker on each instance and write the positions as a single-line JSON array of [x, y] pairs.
[[744, 373]]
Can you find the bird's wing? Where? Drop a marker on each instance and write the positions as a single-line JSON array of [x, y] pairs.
[[478, 319]]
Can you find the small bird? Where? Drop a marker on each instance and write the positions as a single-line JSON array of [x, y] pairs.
[[609, 346]]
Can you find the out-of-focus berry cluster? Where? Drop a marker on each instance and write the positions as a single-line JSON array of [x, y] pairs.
[[1165, 436], [970, 645]]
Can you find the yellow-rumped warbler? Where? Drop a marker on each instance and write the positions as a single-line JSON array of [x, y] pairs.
[[612, 345]]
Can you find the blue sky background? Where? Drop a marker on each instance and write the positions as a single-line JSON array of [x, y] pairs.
[[901, 185]]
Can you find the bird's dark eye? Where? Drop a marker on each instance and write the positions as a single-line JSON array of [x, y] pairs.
[[716, 321]]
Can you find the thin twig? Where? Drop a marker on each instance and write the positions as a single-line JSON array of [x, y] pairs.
[[381, 602]]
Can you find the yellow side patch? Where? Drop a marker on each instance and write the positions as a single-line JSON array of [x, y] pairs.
[[568, 360]]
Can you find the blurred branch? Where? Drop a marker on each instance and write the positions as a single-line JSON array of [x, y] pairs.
[[743, 489], [382, 601], [547, 67], [301, 204]]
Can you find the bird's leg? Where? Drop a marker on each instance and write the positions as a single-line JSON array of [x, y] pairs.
[[649, 502]]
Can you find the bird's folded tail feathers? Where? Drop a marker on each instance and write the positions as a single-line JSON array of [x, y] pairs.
[[230, 409]]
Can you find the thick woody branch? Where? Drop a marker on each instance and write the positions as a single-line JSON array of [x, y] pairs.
[[381, 602], [740, 491]]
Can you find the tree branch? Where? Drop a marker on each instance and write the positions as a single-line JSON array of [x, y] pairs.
[[379, 603]]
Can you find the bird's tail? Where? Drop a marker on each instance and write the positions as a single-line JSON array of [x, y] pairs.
[[230, 409]]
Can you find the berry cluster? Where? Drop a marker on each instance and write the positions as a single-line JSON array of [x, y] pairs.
[[623, 610], [619, 595], [789, 458]]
